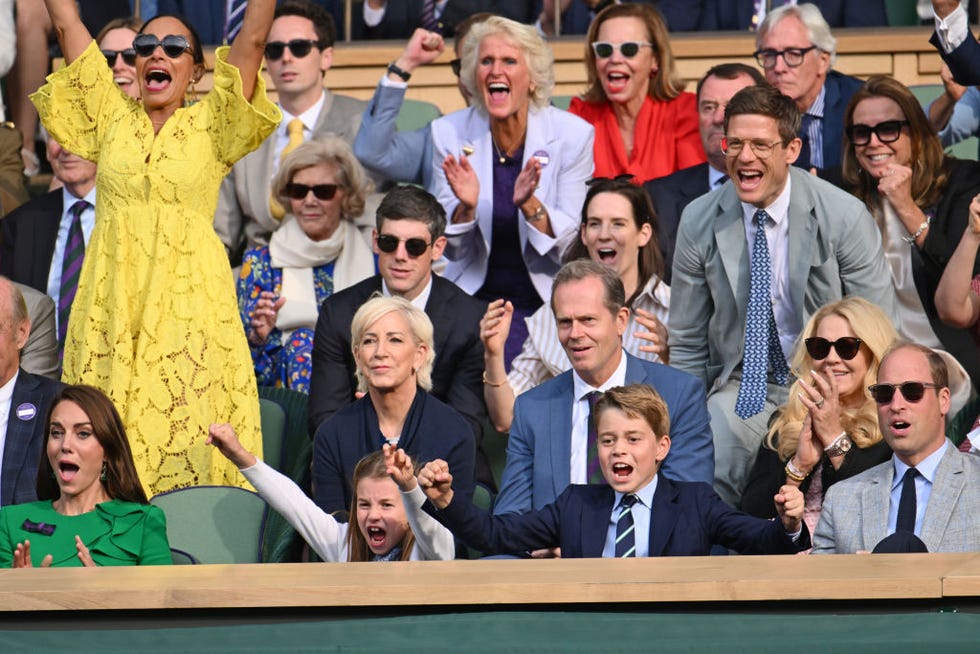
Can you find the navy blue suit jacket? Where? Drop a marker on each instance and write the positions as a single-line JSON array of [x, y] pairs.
[[687, 519], [25, 437], [670, 195], [539, 448], [964, 61], [737, 14], [840, 88], [27, 240]]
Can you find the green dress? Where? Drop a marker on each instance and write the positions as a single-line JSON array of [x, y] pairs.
[[116, 533]]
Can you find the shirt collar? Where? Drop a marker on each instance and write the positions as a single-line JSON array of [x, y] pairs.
[[645, 494], [714, 175], [420, 300], [926, 467], [309, 117], [618, 378], [7, 390], [816, 109], [67, 199], [779, 208]]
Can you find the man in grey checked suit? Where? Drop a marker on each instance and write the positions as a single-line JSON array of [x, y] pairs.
[[243, 218], [861, 511], [24, 402], [823, 244]]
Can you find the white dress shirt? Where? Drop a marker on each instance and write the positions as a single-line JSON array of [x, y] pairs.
[[923, 486], [57, 258], [309, 118]]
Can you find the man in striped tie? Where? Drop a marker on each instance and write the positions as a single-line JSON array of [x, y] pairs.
[[637, 512]]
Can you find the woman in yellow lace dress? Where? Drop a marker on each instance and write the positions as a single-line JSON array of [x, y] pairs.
[[155, 321]]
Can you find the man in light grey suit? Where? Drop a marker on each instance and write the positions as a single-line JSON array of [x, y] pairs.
[[821, 243], [40, 354], [299, 52], [928, 480]]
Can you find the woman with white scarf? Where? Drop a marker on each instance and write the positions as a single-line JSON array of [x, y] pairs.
[[316, 251]]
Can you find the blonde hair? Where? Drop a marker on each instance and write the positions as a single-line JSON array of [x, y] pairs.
[[331, 150], [877, 333], [418, 323], [537, 55]]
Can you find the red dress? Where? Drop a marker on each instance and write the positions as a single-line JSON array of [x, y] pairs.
[[665, 140]]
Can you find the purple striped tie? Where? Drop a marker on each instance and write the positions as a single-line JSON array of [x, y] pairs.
[[428, 19], [593, 470], [71, 267]]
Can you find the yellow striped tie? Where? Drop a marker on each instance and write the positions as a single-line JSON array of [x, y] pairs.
[[295, 132]]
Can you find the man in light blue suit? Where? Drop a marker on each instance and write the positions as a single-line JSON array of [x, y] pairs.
[[548, 445], [822, 245], [928, 488]]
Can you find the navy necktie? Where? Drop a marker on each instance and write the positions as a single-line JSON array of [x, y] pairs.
[[625, 531], [906, 504], [236, 16], [762, 348], [71, 268], [593, 469]]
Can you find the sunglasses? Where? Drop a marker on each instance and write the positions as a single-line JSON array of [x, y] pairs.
[[887, 132], [128, 55], [415, 247], [173, 45], [911, 391], [321, 191], [299, 47], [456, 64], [846, 346], [629, 49]]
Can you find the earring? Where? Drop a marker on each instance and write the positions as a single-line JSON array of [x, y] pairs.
[[102, 477]]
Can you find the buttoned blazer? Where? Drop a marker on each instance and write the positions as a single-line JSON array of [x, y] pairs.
[[25, 437], [243, 201], [855, 511], [834, 250], [566, 140], [539, 448]]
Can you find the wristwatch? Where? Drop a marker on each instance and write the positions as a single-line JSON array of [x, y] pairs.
[[538, 214], [840, 446], [396, 70]]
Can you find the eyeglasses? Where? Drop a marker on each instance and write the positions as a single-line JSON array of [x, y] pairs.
[[173, 45], [762, 149], [299, 47], [128, 55], [456, 64], [629, 49], [321, 191], [911, 391], [818, 348], [415, 247], [792, 56], [888, 131]]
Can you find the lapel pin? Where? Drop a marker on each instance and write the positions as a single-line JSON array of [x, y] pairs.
[[26, 411], [543, 157]]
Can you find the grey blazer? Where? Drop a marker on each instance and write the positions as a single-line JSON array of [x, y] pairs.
[[40, 353], [243, 203], [855, 511], [834, 250]]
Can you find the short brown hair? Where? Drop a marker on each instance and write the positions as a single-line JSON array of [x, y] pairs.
[[370, 467], [937, 367], [637, 401], [613, 293], [766, 100]]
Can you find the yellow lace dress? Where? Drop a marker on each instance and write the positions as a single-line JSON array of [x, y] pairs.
[[155, 322]]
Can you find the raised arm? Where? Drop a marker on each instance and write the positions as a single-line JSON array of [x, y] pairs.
[[956, 303], [73, 36], [249, 46]]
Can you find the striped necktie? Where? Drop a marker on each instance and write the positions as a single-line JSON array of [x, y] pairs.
[[625, 531], [71, 268], [236, 16], [428, 19]]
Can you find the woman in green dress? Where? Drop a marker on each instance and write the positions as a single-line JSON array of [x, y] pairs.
[[92, 510]]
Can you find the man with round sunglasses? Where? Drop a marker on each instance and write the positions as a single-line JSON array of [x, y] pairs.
[[924, 497], [298, 53], [796, 50], [408, 238]]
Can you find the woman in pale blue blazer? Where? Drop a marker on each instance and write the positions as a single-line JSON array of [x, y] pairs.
[[510, 170]]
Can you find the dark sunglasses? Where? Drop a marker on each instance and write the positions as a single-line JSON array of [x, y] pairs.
[[819, 348], [911, 391], [299, 47], [415, 247], [455, 64], [629, 49], [128, 55], [173, 45], [321, 191], [887, 132]]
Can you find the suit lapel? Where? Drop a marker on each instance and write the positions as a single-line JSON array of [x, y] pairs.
[[663, 517], [732, 248], [946, 488], [559, 432], [437, 308], [873, 507], [802, 236], [18, 437], [476, 134], [595, 523]]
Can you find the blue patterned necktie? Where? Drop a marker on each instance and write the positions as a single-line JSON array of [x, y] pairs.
[[761, 337], [236, 16], [625, 531], [71, 268], [593, 469], [906, 503], [428, 19]]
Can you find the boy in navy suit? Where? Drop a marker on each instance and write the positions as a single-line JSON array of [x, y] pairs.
[[639, 513]]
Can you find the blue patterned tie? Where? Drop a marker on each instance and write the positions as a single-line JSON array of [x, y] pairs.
[[428, 19], [625, 531], [71, 268], [236, 15], [593, 469], [761, 337]]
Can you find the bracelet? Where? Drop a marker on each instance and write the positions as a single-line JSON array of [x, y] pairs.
[[923, 227], [394, 69], [793, 472], [490, 383]]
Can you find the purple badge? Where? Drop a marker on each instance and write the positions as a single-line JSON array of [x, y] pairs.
[[543, 157], [26, 411]]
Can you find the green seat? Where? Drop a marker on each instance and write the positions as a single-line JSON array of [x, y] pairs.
[[415, 114], [214, 524], [562, 101], [180, 557], [900, 12], [273, 419]]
